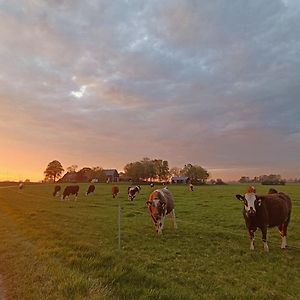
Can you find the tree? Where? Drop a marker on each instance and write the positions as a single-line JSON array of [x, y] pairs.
[[195, 173], [99, 174], [147, 169], [53, 170], [72, 168], [175, 171], [161, 169], [135, 171]]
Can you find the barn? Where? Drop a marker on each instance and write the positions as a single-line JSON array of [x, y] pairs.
[[112, 175], [180, 179]]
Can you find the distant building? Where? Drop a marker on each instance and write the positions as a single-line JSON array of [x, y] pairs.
[[69, 177], [112, 175], [179, 179]]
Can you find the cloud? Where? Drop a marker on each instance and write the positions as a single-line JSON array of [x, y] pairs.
[[80, 93], [214, 83]]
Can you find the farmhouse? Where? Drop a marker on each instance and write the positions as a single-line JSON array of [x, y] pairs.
[[69, 177], [179, 179], [112, 175]]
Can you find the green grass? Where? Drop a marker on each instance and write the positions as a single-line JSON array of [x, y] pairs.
[[69, 250]]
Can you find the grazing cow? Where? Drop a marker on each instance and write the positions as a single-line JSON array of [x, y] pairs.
[[90, 190], [191, 187], [57, 190], [160, 204], [132, 191], [114, 191], [272, 191], [266, 211], [70, 190]]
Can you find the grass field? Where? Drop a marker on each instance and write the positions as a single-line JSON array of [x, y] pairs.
[[51, 249]]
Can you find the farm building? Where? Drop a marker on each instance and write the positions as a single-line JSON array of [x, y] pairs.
[[112, 175], [179, 179]]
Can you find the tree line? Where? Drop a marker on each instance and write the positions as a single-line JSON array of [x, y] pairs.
[[144, 170], [263, 179]]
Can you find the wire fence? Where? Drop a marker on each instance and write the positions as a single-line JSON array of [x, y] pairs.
[[120, 209]]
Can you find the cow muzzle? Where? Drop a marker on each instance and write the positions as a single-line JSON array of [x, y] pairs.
[[251, 212]]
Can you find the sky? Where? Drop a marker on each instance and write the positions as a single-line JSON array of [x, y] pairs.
[[106, 83]]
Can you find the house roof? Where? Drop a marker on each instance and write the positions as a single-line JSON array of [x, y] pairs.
[[179, 178], [111, 172]]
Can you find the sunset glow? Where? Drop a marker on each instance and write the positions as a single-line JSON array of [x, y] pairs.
[[107, 83]]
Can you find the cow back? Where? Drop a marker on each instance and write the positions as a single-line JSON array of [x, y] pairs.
[[167, 197], [277, 207]]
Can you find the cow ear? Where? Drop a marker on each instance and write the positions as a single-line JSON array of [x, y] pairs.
[[259, 200], [240, 197]]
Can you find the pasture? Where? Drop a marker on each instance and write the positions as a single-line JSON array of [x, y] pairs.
[[51, 249]]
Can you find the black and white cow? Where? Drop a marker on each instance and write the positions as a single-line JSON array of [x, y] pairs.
[[56, 191], [90, 190], [132, 192], [266, 211], [160, 204], [70, 190]]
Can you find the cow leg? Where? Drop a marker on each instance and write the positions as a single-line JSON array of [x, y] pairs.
[[172, 213], [159, 227], [283, 230], [264, 238], [252, 236], [161, 223]]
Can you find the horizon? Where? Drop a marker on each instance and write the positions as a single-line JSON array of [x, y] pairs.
[[214, 84], [214, 174]]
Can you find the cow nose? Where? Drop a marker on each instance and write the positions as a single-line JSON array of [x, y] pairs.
[[251, 211]]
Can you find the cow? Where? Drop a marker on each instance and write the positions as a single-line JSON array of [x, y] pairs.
[[114, 191], [90, 190], [161, 203], [266, 211], [151, 184], [191, 187], [132, 191], [70, 190], [21, 185], [57, 190]]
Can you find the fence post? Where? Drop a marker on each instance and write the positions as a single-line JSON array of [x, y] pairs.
[[119, 228]]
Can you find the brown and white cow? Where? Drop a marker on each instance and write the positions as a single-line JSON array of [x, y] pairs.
[[114, 191], [266, 211], [132, 192], [160, 204], [70, 190]]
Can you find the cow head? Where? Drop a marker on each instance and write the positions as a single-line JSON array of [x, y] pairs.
[[157, 208], [251, 201]]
